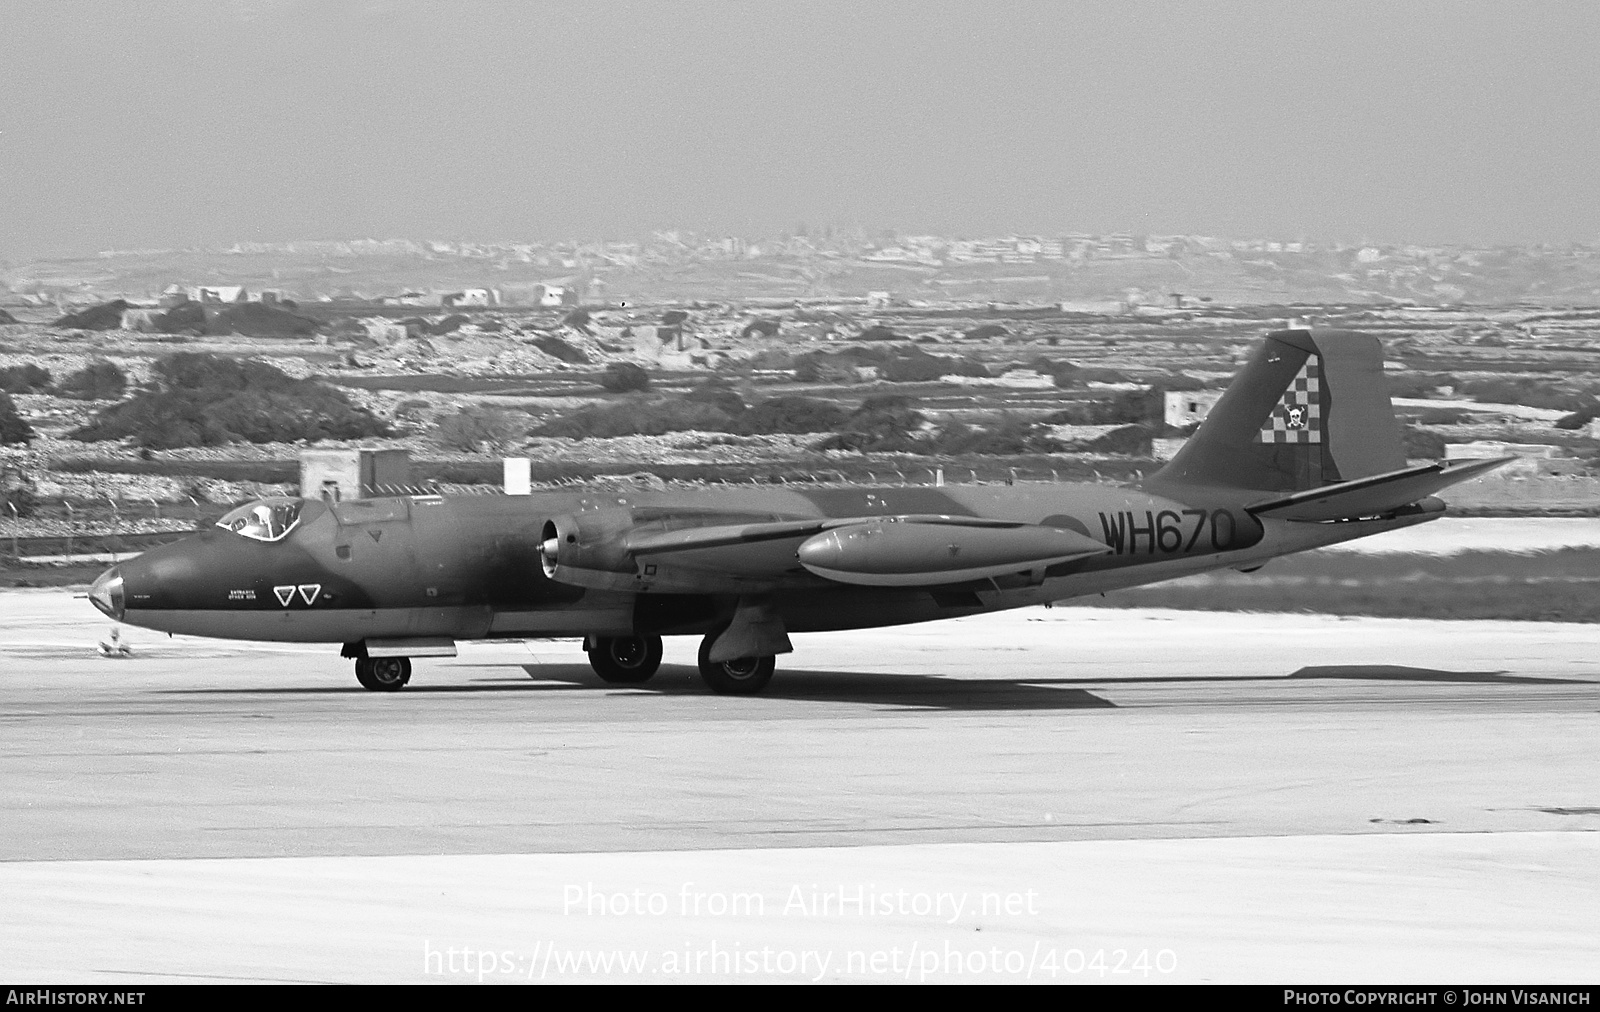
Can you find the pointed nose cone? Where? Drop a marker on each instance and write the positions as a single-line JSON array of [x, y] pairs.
[[822, 551], [107, 595]]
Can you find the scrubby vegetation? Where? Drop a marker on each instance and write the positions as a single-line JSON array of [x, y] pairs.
[[105, 316], [625, 377], [792, 415], [97, 381], [636, 417], [1420, 444], [268, 472], [909, 364], [435, 383], [1531, 393], [889, 424], [1007, 437], [719, 394], [1578, 419], [555, 347], [210, 400], [185, 317], [709, 408], [18, 500], [885, 423], [878, 332], [1063, 374], [13, 427], [24, 379], [1138, 407], [474, 429], [1129, 441], [256, 319]]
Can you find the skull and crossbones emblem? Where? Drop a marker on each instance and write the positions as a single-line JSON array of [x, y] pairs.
[[1297, 417]]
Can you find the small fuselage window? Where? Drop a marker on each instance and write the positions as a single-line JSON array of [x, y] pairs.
[[264, 519]]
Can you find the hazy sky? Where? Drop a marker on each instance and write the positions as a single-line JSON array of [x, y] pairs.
[[173, 124]]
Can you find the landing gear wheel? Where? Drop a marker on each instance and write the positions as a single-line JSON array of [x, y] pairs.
[[743, 676], [625, 660], [383, 674]]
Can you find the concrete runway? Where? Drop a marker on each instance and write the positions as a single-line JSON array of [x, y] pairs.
[[1269, 798]]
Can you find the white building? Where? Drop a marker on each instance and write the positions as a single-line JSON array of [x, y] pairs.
[[1187, 407], [472, 297], [557, 295]]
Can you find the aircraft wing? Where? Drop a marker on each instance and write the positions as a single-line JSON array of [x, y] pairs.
[[1372, 496], [910, 550], [658, 542]]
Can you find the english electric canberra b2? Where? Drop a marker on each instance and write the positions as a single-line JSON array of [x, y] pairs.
[[1301, 451]]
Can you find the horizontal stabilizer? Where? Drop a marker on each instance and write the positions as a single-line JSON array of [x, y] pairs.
[[1373, 496]]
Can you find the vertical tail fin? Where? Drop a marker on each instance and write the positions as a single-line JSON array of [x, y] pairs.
[[1309, 409]]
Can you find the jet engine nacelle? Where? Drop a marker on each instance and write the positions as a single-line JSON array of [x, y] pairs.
[[588, 550], [910, 554]]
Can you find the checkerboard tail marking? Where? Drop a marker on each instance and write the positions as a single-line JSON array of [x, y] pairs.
[[1297, 418]]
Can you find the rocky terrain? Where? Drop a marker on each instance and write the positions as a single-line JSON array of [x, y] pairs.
[[1035, 378]]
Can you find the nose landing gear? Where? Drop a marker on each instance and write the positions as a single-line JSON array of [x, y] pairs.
[[383, 674]]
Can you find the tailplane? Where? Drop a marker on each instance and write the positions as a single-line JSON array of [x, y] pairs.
[[1309, 409]]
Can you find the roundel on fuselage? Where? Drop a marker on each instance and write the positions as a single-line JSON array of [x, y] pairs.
[[1070, 523]]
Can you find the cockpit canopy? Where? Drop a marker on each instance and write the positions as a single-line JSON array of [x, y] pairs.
[[264, 519]]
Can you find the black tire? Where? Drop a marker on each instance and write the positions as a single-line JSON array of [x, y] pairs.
[[743, 676], [383, 674], [625, 660]]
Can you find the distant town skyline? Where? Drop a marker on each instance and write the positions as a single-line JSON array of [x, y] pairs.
[[184, 124]]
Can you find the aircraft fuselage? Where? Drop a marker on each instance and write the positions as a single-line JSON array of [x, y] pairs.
[[469, 567]]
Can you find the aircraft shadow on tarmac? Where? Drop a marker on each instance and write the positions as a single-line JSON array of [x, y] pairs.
[[917, 691], [1401, 673]]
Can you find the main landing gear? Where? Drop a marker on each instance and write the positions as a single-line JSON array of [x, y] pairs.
[[631, 660], [624, 660], [383, 674], [743, 676]]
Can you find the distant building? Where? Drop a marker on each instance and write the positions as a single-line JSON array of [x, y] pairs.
[[557, 295], [221, 293], [353, 473], [1188, 407], [518, 475], [141, 319], [472, 297]]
